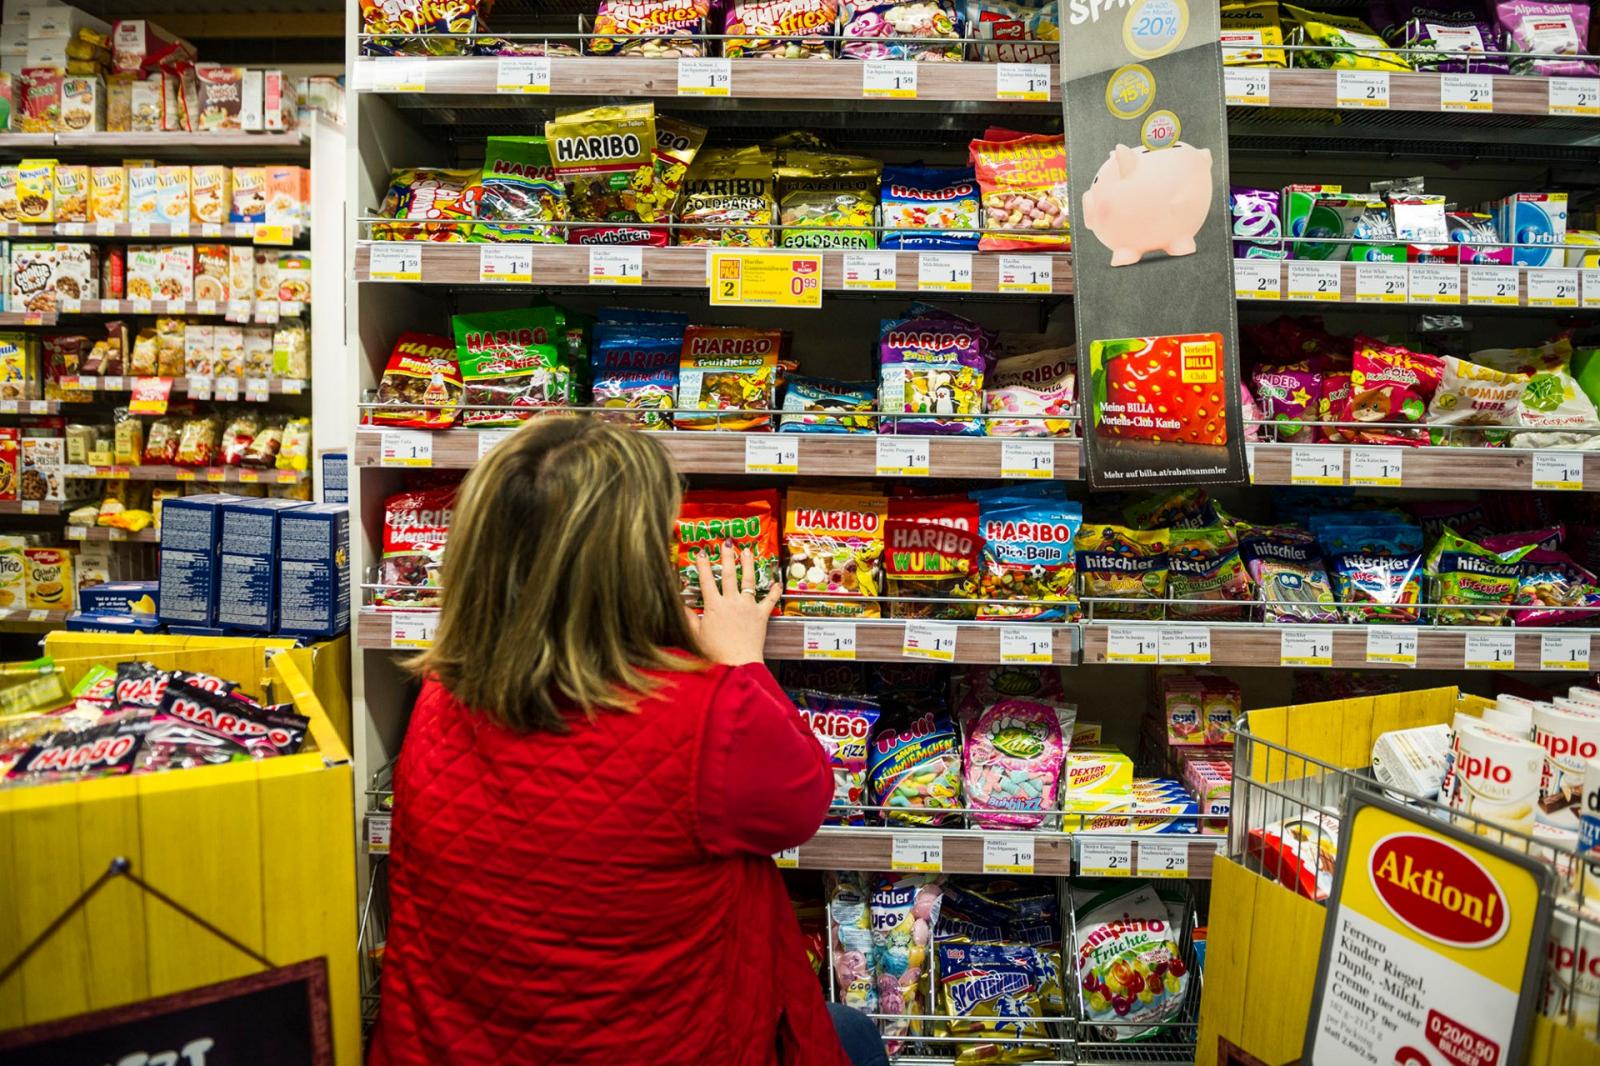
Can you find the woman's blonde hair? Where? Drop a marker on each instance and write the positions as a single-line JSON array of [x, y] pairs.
[[560, 589]]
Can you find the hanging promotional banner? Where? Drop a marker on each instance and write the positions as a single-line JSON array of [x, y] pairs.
[[1152, 263], [1432, 948]]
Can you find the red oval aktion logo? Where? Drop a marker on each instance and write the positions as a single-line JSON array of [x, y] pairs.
[[1438, 890], [805, 266]]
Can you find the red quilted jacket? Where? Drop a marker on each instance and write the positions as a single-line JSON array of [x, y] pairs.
[[606, 895]]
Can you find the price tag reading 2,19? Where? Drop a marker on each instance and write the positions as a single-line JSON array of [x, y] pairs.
[[1306, 646], [1247, 86], [1574, 96], [916, 853], [1362, 88], [1008, 853], [1030, 644], [930, 640], [1466, 92], [1105, 858], [766, 279], [829, 640]]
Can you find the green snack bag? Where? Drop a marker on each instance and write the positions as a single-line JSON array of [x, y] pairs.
[[511, 359], [516, 189], [1470, 577]]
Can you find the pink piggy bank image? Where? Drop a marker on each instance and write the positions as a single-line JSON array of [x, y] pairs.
[[1146, 201]]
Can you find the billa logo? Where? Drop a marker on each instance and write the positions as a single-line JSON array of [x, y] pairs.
[[1438, 890]]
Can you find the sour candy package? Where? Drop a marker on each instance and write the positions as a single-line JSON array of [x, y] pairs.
[[1204, 565], [1473, 580], [1377, 569], [778, 29], [855, 972], [1124, 564], [931, 366], [1288, 573], [710, 518], [905, 910], [1127, 959], [730, 373], [833, 542], [915, 770], [870, 29], [822, 405], [1023, 178], [843, 726], [1029, 554], [1012, 760], [930, 207]]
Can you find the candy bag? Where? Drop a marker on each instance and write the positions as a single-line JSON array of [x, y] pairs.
[[870, 27], [1472, 579], [434, 204], [1012, 760], [1473, 395], [930, 366], [843, 726], [710, 518], [1124, 564], [1389, 383], [1205, 565], [107, 750], [916, 769], [508, 359], [1286, 395], [416, 525], [905, 910], [822, 197], [606, 155], [855, 972], [1556, 28], [932, 207], [991, 989], [1017, 402], [728, 368], [931, 550], [1288, 573], [1359, 46], [516, 189], [657, 29], [729, 198], [1378, 568], [1552, 401], [635, 365], [1126, 958], [1029, 554], [1451, 39], [983, 686], [779, 29], [1023, 31], [822, 405], [834, 543], [421, 383], [1252, 36], [1023, 179], [1549, 579]]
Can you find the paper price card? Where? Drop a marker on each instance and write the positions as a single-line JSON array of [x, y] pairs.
[[1591, 286], [38, 616], [1392, 645], [916, 852], [29, 507], [238, 311], [522, 75], [787, 859], [139, 229], [1028, 459], [944, 272], [1306, 647], [379, 831], [489, 439], [412, 629], [405, 447], [1377, 466], [902, 456], [113, 383], [1246, 88], [1313, 281], [1184, 644], [226, 389], [210, 229], [105, 229], [1383, 283], [890, 79], [1163, 858], [1258, 279], [1494, 286], [616, 266], [829, 640], [1466, 92], [1558, 471], [1574, 96], [1132, 644], [1008, 853], [395, 261], [869, 271], [930, 640], [1552, 288], [1316, 466], [778, 453], [1564, 651], [1022, 81], [1027, 644], [205, 307], [705, 77], [505, 263], [1026, 274], [1490, 651], [766, 279], [1435, 283], [398, 74], [138, 307], [256, 390], [1105, 858], [1362, 88]]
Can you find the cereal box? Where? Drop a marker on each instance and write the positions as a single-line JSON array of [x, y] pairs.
[[241, 272], [108, 194], [228, 342], [41, 468], [119, 103], [249, 199], [199, 350], [147, 105], [72, 193], [40, 108], [280, 103], [10, 464], [177, 272], [220, 96], [313, 570], [144, 271], [8, 193], [83, 103], [13, 570], [47, 579], [172, 195], [36, 190], [139, 44], [211, 272], [16, 370], [251, 92], [77, 270], [33, 277], [257, 353], [294, 276], [208, 192], [142, 199], [266, 274], [285, 194]]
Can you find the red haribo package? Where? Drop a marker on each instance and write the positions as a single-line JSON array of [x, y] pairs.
[[415, 527], [712, 518]]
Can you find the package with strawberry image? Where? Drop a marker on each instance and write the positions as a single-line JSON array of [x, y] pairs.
[[710, 518], [1129, 964]]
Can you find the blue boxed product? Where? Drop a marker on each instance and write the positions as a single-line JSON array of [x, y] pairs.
[[314, 570], [1534, 218], [88, 622], [247, 581], [191, 527], [336, 477], [119, 597]]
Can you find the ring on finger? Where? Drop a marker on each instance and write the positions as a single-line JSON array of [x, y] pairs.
[[748, 592]]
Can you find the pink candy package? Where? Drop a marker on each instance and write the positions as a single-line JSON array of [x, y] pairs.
[[1013, 756], [1535, 26]]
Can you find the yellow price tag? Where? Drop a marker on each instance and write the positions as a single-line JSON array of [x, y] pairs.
[[766, 279], [266, 234]]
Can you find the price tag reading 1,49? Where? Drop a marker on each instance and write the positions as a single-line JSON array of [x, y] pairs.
[[1008, 853], [1026, 274], [930, 640], [1306, 647], [505, 262], [829, 640], [916, 852], [1030, 459], [869, 271], [944, 271], [1105, 858], [1392, 645], [402, 447], [778, 453], [1184, 644], [412, 629], [1132, 644], [1490, 651], [787, 859], [616, 266], [1558, 471], [902, 456], [1033, 644]]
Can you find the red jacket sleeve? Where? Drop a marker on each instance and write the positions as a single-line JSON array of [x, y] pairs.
[[765, 783]]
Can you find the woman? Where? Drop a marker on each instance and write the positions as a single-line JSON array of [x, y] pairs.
[[591, 788]]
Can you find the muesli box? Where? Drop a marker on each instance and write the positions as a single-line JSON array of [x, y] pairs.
[[208, 192], [144, 271], [211, 272], [72, 192], [33, 277], [77, 272], [108, 194], [173, 195], [83, 104], [248, 202], [176, 272]]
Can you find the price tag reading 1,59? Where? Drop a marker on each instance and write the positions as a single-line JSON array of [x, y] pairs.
[[1031, 644], [1558, 471], [916, 852], [1008, 853], [1490, 651], [395, 261], [893, 79], [1132, 644], [1022, 81], [829, 640], [1306, 647], [1105, 858], [705, 77]]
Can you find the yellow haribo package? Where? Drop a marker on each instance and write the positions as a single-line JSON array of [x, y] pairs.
[[833, 542], [823, 197]]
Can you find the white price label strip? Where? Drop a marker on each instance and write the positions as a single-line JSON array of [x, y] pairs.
[[1564, 651], [944, 272], [930, 640], [397, 74], [226, 389], [1306, 647], [412, 629], [1184, 644], [1466, 92], [1257, 279], [1574, 96], [787, 859], [890, 79], [705, 77], [522, 75], [489, 439], [1553, 288], [899, 456], [1317, 282], [403, 447], [1377, 466], [1105, 858], [1383, 283], [1558, 471], [1132, 644], [778, 453], [1030, 459], [1026, 274], [1591, 286], [1490, 651], [1163, 858], [616, 266], [1435, 283], [1033, 644], [829, 640], [1392, 645], [380, 829], [395, 261], [1362, 88], [916, 852], [505, 263], [1493, 286], [1245, 87], [1316, 466], [1008, 853], [869, 271], [1022, 81]]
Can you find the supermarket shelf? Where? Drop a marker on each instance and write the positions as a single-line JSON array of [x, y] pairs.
[[27, 620], [1417, 91], [30, 407], [200, 231], [30, 506], [233, 310], [680, 268], [1554, 289], [173, 146], [819, 454], [231, 475], [242, 388], [27, 318], [1436, 648], [962, 851], [149, 535], [1416, 468]]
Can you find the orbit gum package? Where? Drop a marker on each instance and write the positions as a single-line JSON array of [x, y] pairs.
[[915, 771], [931, 366], [822, 196], [1029, 554], [843, 726], [1012, 761], [727, 368], [834, 544], [1023, 178], [1124, 564], [711, 518]]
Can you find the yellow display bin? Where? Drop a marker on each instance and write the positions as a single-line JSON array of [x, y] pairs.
[[1263, 940], [263, 850]]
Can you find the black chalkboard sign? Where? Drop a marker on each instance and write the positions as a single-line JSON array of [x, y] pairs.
[[275, 1018]]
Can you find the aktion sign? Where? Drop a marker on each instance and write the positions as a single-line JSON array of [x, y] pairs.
[[1431, 951]]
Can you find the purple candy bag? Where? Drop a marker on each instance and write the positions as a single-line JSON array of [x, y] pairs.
[[1286, 395], [1256, 218], [1536, 26], [931, 365], [1459, 31]]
